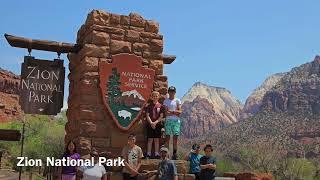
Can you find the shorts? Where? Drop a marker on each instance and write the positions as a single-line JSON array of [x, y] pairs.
[[154, 133], [127, 176], [172, 127], [197, 175]]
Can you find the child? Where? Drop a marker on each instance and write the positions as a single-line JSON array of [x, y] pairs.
[[207, 164], [154, 113], [172, 123], [132, 155], [194, 158], [69, 172]]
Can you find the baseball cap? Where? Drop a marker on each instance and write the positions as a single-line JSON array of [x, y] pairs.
[[172, 89], [164, 149]]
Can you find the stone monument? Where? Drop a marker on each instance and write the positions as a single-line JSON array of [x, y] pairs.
[[104, 37]]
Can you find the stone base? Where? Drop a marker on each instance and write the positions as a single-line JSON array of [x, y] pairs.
[[152, 164], [118, 176], [224, 178]]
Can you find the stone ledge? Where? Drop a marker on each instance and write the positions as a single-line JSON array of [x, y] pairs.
[[152, 164]]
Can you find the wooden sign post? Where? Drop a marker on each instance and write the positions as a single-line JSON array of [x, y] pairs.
[[9, 135]]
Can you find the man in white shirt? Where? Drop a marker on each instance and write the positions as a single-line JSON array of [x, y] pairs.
[[172, 123], [96, 172]]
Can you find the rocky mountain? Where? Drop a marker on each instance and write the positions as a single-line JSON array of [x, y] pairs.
[[253, 102], [208, 109], [298, 90], [9, 98], [289, 116]]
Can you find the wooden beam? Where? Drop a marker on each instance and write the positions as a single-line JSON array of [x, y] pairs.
[[168, 59], [45, 45], [10, 135]]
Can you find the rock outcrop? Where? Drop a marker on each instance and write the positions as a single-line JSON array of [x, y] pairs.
[[9, 96], [299, 90], [254, 101], [199, 117], [208, 109]]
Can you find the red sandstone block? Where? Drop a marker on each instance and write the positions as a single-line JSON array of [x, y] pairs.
[[136, 20], [152, 26], [120, 47]]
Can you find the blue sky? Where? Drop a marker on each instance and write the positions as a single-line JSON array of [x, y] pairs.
[[232, 44]]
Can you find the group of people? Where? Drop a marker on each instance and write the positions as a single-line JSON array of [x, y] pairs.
[[162, 122], [163, 118], [203, 167]]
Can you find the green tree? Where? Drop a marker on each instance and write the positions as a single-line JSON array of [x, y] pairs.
[[114, 86], [44, 137]]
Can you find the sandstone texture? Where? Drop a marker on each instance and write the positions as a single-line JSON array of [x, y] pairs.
[[9, 96], [101, 36]]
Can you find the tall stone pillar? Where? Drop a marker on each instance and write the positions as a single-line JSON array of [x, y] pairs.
[[103, 35]]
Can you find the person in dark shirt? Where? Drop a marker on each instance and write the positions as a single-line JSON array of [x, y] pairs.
[[154, 114], [207, 164]]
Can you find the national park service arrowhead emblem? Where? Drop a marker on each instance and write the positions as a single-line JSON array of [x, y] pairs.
[[125, 87]]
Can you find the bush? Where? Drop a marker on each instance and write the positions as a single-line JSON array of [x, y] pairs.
[[224, 165], [44, 137]]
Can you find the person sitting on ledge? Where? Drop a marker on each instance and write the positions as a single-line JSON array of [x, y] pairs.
[[167, 169], [194, 158], [154, 114], [132, 155], [207, 164]]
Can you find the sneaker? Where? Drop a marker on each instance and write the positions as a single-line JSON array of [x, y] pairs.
[[147, 157]]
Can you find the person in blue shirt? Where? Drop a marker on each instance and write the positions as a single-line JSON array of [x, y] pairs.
[[194, 158]]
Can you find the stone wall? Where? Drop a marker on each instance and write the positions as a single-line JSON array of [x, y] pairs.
[[103, 35]]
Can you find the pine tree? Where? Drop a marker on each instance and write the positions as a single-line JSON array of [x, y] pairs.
[[114, 86]]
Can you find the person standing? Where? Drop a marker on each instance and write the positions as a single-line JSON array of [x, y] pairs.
[[207, 164], [69, 172], [132, 155], [173, 122], [194, 158], [154, 113]]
